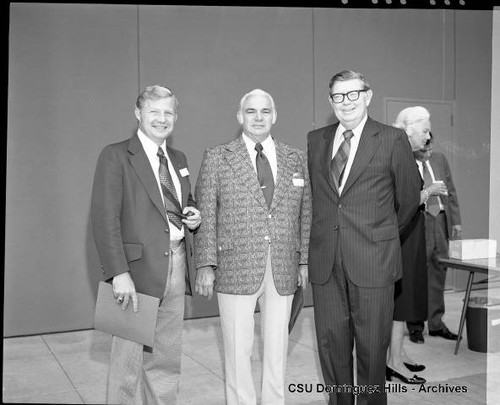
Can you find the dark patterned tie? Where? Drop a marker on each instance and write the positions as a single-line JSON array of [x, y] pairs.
[[264, 174], [169, 194], [339, 161], [432, 204]]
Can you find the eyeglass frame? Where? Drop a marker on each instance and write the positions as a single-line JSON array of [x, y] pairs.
[[346, 94]]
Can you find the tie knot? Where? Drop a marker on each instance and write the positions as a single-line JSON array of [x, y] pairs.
[[348, 134], [259, 147], [160, 152]]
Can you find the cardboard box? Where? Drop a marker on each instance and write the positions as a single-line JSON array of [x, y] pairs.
[[466, 249]]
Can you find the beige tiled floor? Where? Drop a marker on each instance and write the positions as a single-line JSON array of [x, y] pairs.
[[71, 367]]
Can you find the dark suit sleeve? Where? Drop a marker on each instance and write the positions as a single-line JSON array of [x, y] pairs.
[[452, 194], [406, 181], [191, 202], [106, 205]]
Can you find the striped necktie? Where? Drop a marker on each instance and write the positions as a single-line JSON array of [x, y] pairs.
[[169, 193], [339, 161]]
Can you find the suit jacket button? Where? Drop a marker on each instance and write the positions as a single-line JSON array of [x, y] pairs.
[[335, 227], [166, 253], [340, 205]]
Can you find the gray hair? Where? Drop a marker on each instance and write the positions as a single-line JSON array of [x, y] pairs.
[[155, 92], [410, 116], [257, 92]]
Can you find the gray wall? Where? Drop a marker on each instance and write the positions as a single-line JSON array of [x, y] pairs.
[[75, 71]]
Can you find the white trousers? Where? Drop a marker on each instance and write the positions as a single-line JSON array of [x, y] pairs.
[[237, 321]]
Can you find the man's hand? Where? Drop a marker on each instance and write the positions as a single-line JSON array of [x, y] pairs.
[[438, 188], [303, 276], [204, 284], [124, 290], [193, 220], [456, 232]]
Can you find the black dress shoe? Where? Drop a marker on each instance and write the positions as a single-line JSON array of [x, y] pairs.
[[416, 336], [390, 373], [414, 367], [444, 333]]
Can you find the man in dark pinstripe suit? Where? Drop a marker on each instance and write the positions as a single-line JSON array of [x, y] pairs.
[[365, 187]]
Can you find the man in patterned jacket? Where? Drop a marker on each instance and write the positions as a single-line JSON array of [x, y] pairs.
[[254, 196]]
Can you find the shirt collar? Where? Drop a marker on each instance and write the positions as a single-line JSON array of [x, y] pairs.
[[150, 147], [266, 144], [357, 130]]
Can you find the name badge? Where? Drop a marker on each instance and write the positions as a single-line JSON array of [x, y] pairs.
[[298, 182], [184, 172]]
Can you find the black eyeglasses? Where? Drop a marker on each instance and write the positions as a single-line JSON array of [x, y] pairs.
[[353, 95]]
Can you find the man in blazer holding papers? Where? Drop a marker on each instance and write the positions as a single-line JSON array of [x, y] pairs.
[[143, 216], [254, 197]]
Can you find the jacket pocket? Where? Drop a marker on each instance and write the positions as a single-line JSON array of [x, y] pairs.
[[133, 251], [386, 232]]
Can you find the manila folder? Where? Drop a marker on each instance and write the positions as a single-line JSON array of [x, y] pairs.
[[138, 326]]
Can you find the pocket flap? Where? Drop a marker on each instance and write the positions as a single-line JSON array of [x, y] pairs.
[[385, 233], [133, 251]]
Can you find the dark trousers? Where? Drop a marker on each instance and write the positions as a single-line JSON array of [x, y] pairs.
[[346, 314], [436, 236]]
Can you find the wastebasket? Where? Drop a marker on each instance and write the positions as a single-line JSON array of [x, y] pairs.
[[483, 319]]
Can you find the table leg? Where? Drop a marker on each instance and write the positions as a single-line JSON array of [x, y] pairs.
[[464, 309]]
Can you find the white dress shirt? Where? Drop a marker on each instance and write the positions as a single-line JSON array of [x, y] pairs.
[[431, 172], [339, 137], [151, 150], [269, 149]]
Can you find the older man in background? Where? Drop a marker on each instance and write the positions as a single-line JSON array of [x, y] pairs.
[[442, 223]]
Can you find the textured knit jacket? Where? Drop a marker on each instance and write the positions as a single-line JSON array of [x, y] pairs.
[[238, 227]]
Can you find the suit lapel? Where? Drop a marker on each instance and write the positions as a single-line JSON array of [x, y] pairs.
[[439, 174], [326, 148], [142, 167], [284, 173], [436, 168], [368, 145], [183, 180], [239, 159]]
